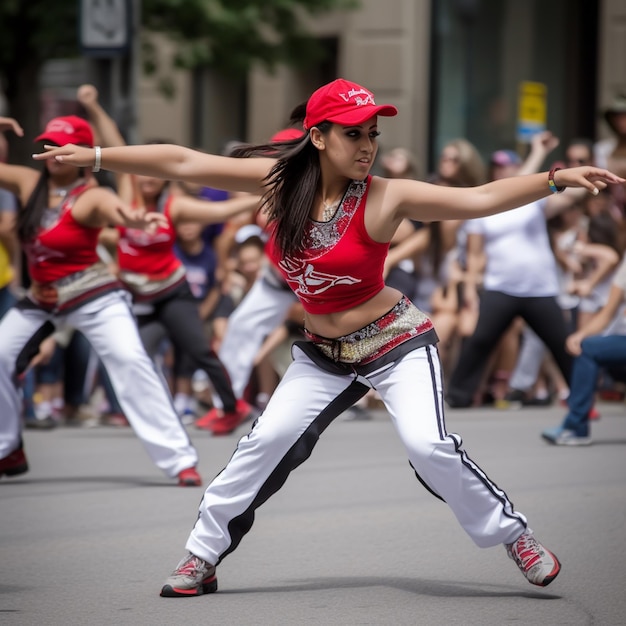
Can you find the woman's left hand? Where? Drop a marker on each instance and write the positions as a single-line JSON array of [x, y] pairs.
[[591, 178]]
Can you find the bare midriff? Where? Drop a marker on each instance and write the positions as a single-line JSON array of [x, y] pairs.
[[346, 322]]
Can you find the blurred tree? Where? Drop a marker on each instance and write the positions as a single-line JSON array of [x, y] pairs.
[[227, 35], [32, 32]]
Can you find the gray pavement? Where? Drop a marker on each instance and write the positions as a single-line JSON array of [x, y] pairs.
[[89, 534]]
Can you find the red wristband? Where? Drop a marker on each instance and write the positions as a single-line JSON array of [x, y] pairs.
[[551, 183]]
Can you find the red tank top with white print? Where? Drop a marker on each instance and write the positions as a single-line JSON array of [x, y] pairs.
[[64, 247], [341, 266], [150, 254]]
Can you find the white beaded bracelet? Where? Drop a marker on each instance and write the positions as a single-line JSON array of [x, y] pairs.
[[98, 160]]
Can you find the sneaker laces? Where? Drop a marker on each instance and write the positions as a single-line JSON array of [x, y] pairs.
[[526, 552], [191, 565]]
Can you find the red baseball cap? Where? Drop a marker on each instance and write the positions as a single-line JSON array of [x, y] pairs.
[[343, 102], [68, 129], [286, 134]]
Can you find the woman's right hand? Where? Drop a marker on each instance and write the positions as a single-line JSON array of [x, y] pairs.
[[572, 343], [8, 123], [69, 153]]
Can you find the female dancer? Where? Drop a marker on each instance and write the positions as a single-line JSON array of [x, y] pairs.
[[156, 277], [362, 333], [59, 226]]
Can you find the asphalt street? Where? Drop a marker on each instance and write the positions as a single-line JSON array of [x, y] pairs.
[[90, 533]]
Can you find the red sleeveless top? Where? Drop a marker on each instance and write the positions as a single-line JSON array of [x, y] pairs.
[[149, 254], [63, 248], [341, 265]]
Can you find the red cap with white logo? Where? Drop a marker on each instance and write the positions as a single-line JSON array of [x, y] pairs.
[[343, 102], [67, 129]]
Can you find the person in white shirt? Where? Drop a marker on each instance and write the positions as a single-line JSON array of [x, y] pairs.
[[519, 276]]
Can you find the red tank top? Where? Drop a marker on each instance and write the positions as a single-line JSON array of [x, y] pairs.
[[149, 254], [341, 265], [64, 247]]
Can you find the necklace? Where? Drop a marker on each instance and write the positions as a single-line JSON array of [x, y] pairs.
[[61, 192], [329, 210]]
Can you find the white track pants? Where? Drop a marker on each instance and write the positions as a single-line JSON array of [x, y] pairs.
[[109, 326], [304, 404], [261, 311]]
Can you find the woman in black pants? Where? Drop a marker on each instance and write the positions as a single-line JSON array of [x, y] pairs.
[[155, 276], [513, 252], [497, 310]]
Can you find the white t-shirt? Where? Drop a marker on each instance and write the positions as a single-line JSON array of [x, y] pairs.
[[617, 326], [519, 259]]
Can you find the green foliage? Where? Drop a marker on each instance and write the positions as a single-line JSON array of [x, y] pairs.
[[32, 31], [225, 35], [230, 35]]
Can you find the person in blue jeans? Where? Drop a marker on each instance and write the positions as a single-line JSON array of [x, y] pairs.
[[601, 343]]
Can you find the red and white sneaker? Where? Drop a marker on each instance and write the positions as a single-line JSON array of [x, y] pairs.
[[189, 478], [539, 565], [192, 577], [221, 423], [14, 464]]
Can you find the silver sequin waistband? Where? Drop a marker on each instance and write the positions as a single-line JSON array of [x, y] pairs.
[[400, 324]]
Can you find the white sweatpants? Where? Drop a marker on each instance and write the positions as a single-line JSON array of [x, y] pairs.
[[304, 404], [108, 324], [261, 311]]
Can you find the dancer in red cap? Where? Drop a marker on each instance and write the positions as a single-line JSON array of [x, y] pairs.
[[331, 224], [62, 216]]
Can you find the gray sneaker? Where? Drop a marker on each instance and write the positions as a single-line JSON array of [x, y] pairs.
[[539, 565], [560, 436], [192, 577]]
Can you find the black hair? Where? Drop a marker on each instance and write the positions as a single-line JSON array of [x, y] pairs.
[[29, 218], [291, 184]]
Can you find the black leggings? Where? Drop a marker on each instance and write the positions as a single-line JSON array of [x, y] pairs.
[[497, 311], [178, 315]]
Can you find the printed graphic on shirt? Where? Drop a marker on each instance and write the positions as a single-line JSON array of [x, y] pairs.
[[300, 273], [135, 238], [36, 252], [305, 281]]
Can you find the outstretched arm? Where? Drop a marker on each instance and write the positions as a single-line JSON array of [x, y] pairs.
[[189, 209], [422, 201], [170, 162], [99, 207]]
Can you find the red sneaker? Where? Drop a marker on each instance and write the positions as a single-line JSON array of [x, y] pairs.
[[205, 422], [226, 423], [189, 478], [14, 464]]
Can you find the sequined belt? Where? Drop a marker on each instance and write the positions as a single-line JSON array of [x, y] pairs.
[[65, 292], [362, 346], [145, 287]]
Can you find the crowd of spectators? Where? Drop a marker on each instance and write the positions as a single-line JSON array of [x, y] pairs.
[[494, 318]]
